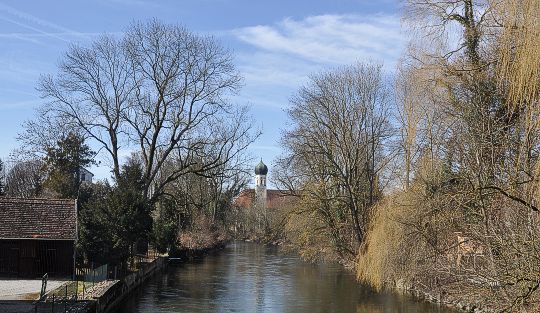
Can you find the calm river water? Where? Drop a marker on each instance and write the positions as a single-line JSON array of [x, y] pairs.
[[246, 277]]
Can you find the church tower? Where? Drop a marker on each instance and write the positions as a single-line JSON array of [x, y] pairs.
[[260, 184]]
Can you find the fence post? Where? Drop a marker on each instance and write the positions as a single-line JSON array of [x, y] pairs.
[[43, 285]]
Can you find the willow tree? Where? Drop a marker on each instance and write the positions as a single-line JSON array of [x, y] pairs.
[[518, 69], [336, 151], [480, 59]]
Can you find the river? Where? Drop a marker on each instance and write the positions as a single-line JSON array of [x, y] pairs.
[[247, 277]]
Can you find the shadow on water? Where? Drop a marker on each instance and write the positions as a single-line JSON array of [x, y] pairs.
[[246, 277]]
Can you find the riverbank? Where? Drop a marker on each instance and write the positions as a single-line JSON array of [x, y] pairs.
[[183, 255], [108, 295], [445, 297], [429, 267]]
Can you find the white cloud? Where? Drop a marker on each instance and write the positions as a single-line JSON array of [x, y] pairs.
[[280, 57], [330, 39], [273, 68]]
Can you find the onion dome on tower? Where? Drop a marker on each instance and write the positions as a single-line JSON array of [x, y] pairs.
[[261, 169]]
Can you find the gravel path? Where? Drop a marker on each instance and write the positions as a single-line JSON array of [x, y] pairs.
[[27, 289]]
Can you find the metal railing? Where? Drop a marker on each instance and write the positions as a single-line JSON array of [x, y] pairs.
[[76, 295]]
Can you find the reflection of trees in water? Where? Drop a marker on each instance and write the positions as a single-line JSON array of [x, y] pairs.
[[327, 288], [259, 284], [253, 278], [192, 286]]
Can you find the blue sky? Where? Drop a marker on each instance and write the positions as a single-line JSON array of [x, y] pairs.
[[277, 45]]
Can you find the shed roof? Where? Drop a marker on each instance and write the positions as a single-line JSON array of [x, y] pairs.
[[38, 219]]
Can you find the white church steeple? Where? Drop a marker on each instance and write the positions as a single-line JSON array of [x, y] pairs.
[[260, 183]]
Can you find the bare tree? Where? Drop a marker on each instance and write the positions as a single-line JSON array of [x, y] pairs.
[[91, 93], [408, 99], [160, 90], [336, 151], [24, 179]]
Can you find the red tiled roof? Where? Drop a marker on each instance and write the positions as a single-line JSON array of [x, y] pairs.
[[274, 198], [38, 219]]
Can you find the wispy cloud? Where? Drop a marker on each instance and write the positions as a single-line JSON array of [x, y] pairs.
[[9, 105], [33, 19], [330, 39], [20, 36], [263, 67], [20, 70], [24, 25], [280, 57], [39, 26], [33, 37], [266, 147]]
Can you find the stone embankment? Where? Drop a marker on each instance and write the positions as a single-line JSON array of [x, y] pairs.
[[106, 296], [111, 293], [447, 300]]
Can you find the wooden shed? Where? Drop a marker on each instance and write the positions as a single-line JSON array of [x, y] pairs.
[[37, 236]]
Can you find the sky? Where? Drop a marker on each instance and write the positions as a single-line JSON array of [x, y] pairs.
[[277, 44]]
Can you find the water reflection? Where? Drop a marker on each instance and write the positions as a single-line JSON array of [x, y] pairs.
[[247, 277]]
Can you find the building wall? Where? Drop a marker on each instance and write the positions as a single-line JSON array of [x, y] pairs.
[[33, 258], [86, 176]]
